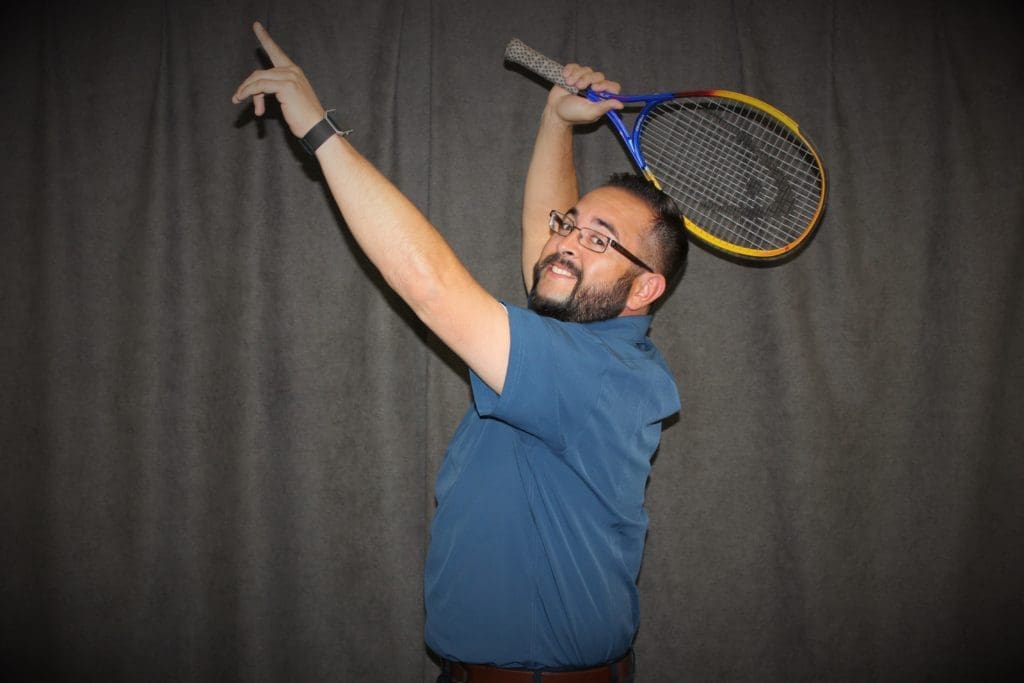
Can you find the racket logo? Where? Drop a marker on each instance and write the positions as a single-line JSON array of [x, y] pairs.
[[756, 189]]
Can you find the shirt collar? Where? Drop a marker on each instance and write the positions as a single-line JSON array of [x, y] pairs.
[[632, 328]]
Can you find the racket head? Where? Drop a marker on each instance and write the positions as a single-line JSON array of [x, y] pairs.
[[748, 182]]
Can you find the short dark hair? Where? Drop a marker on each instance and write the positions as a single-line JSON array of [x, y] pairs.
[[667, 233]]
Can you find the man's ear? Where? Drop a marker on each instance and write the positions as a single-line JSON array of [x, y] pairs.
[[647, 288]]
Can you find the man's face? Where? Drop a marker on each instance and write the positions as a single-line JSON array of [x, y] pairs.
[[575, 284]]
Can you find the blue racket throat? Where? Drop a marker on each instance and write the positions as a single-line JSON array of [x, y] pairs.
[[631, 139]]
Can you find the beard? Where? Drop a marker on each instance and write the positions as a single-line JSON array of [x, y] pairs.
[[584, 304]]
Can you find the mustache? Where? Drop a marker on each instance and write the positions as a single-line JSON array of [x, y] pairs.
[[556, 258]]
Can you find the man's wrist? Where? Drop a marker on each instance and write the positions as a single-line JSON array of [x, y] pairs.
[[550, 117]]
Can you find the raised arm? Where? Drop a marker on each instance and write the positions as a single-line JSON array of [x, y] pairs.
[[551, 180], [410, 253]]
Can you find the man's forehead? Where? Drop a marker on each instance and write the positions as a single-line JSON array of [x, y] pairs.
[[596, 221], [614, 209]]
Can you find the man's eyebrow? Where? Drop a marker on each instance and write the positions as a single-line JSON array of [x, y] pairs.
[[573, 213]]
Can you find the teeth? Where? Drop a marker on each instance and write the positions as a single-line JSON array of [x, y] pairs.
[[560, 271]]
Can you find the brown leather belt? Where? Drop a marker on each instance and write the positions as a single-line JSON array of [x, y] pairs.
[[619, 670]]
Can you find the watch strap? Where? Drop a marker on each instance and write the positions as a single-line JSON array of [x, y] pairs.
[[323, 131]]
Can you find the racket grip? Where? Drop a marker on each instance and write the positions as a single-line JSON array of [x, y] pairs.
[[519, 53]]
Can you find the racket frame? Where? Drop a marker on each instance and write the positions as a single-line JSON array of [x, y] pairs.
[[551, 70]]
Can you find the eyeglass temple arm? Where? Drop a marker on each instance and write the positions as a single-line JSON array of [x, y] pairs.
[[622, 250]]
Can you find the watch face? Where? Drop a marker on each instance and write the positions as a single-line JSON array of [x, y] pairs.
[[334, 124], [321, 133]]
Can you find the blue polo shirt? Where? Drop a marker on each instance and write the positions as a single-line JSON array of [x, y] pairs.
[[540, 523]]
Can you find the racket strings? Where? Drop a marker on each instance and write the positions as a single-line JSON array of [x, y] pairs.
[[744, 196], [735, 171], [721, 178], [749, 197]]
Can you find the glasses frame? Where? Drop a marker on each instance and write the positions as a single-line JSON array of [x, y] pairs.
[[560, 224]]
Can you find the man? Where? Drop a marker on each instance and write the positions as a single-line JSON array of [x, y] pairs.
[[539, 530]]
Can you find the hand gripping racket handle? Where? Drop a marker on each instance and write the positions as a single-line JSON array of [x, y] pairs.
[[519, 53]]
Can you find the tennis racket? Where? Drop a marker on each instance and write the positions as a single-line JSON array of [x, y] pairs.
[[747, 181]]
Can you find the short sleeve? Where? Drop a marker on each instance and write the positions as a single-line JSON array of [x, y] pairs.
[[547, 363]]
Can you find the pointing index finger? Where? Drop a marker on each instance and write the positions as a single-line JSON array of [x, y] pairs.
[[276, 54]]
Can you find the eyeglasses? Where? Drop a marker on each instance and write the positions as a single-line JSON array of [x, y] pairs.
[[593, 240]]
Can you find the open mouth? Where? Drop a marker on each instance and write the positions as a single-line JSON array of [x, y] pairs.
[[562, 271], [559, 267]]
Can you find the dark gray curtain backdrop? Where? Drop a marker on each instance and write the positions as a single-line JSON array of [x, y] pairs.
[[219, 430]]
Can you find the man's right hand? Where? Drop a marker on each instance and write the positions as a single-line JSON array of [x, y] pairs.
[[573, 109]]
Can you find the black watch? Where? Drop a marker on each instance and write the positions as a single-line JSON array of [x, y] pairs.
[[321, 133]]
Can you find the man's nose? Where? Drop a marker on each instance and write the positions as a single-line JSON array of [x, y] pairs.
[[568, 244]]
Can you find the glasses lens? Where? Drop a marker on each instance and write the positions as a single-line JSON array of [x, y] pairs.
[[558, 223], [593, 240]]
